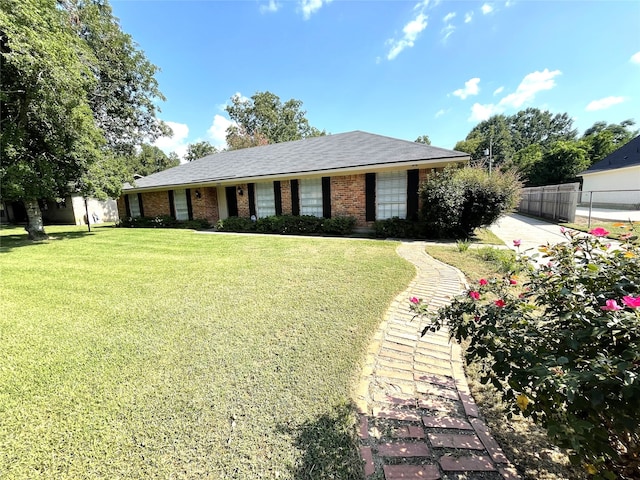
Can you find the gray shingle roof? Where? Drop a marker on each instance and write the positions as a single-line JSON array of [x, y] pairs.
[[318, 154], [627, 155]]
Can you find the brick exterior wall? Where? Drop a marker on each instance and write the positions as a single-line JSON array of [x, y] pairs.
[[243, 200], [285, 191], [348, 198], [155, 203], [207, 205], [122, 209]]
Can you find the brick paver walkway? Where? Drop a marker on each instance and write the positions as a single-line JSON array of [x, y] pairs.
[[417, 417]]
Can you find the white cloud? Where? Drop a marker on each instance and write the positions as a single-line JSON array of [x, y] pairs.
[[439, 113], [448, 17], [604, 103], [447, 31], [530, 85], [482, 112], [218, 131], [468, 17], [635, 58], [411, 31], [486, 8], [309, 7], [178, 142], [470, 88], [270, 7], [498, 90]]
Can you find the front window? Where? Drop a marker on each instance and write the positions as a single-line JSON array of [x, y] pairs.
[[180, 204], [391, 195], [134, 206], [311, 197], [265, 200]]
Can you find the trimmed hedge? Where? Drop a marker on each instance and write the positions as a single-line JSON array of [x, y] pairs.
[[163, 221], [289, 225]]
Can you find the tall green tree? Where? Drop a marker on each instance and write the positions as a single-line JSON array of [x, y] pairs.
[[603, 139], [561, 163], [265, 119], [199, 150], [76, 96], [48, 136], [150, 160], [423, 139], [490, 138], [533, 126]]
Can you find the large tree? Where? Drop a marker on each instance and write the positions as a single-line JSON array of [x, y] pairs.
[[490, 140], [264, 119], [199, 150], [602, 138], [560, 163], [76, 95], [151, 159]]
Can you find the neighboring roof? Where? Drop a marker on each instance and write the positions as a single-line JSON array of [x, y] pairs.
[[342, 151], [627, 155]]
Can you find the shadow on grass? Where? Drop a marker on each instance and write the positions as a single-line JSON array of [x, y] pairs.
[[12, 239], [329, 446]]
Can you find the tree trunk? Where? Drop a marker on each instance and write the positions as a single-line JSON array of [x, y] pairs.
[[35, 227]]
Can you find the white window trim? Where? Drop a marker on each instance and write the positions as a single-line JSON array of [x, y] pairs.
[[391, 195], [311, 197]]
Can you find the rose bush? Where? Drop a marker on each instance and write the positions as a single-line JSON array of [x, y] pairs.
[[564, 347]]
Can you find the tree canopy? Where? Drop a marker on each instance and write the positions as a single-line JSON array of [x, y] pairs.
[[199, 150], [543, 147], [423, 139], [264, 119], [76, 95], [150, 159]]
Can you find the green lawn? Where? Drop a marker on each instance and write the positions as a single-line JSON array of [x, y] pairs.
[[131, 353]]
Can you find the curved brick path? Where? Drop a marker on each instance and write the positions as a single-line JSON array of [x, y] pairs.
[[417, 417]]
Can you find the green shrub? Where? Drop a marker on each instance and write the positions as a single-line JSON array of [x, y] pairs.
[[457, 201], [396, 227], [338, 225], [463, 245], [289, 225], [564, 349], [163, 221], [236, 224]]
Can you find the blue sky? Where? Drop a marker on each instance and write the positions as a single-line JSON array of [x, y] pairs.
[[396, 68]]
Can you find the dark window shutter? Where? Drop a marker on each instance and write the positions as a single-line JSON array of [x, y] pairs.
[[326, 197], [252, 199], [140, 205], [370, 197], [172, 207], [232, 201], [127, 207], [295, 198], [277, 195], [413, 179], [189, 209]]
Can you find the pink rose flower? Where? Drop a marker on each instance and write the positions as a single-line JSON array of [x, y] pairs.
[[414, 300], [599, 232], [631, 302], [500, 303], [517, 243], [483, 281], [611, 306], [513, 281], [475, 295]]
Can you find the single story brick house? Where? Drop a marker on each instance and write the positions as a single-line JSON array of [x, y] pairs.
[[358, 174]]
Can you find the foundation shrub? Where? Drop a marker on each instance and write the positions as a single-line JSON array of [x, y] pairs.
[[396, 227], [163, 221]]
